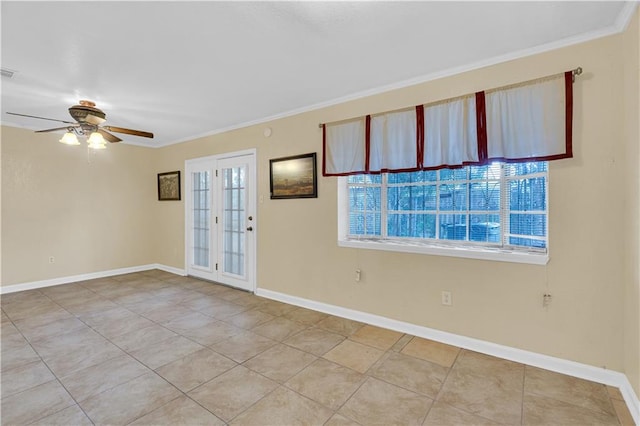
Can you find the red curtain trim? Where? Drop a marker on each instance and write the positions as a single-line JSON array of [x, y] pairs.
[[455, 166], [481, 126], [325, 174], [367, 142], [568, 114], [529, 159], [324, 150], [419, 136]]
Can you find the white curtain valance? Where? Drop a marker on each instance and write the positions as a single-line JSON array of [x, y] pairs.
[[344, 148], [528, 122], [450, 133], [393, 145]]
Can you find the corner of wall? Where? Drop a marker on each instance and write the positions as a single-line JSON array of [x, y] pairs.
[[631, 100]]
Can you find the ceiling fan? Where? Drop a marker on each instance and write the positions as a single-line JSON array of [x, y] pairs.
[[89, 121]]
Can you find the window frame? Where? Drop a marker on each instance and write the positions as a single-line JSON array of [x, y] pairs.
[[455, 248]]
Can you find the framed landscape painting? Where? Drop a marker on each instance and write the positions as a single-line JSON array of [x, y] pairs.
[[293, 177], [169, 186]]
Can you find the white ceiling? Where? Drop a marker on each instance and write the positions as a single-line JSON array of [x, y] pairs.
[[187, 69]]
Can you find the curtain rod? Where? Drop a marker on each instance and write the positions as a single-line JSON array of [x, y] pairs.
[[574, 72]]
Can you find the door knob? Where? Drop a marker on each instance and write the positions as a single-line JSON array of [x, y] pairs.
[[250, 228]]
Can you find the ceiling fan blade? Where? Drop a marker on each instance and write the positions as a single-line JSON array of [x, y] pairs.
[[128, 131], [108, 136], [41, 118], [94, 119], [53, 130]]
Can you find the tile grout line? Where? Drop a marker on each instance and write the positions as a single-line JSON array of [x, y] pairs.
[[437, 399], [283, 385], [56, 378], [149, 368], [107, 339], [106, 390], [185, 394], [449, 370], [367, 374], [524, 379], [254, 403]]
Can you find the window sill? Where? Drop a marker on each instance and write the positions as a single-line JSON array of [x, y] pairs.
[[480, 253]]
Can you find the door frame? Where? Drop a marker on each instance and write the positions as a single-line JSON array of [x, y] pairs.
[[253, 177]]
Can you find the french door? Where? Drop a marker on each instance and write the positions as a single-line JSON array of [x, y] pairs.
[[220, 219]]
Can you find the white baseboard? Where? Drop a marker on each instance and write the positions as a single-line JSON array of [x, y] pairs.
[[90, 276], [633, 403], [171, 269], [559, 365]]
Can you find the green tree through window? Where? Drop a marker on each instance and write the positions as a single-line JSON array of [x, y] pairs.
[[499, 205]]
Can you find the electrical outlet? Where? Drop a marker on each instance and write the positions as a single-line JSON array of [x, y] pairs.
[[446, 298], [546, 300], [52, 259]]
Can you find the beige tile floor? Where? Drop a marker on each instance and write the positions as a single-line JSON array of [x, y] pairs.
[[154, 348]]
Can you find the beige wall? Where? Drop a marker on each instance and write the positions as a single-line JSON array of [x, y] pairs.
[[169, 240], [498, 302], [1, 210], [92, 211], [632, 199], [588, 274]]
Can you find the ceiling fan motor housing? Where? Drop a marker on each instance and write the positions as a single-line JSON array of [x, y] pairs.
[[86, 109]]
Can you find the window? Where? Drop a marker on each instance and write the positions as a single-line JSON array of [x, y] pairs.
[[499, 208], [465, 176]]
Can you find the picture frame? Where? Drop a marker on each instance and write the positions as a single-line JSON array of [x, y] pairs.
[[293, 177], [169, 186]]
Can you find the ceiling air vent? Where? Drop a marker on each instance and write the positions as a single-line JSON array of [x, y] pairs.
[[6, 72]]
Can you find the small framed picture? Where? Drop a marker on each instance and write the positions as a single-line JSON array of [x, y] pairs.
[[293, 177], [169, 186]]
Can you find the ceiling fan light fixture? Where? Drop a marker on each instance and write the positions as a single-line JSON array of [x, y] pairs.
[[88, 123], [70, 138], [96, 141]]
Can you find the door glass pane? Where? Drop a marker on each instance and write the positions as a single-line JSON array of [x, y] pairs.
[[201, 215], [234, 217]]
